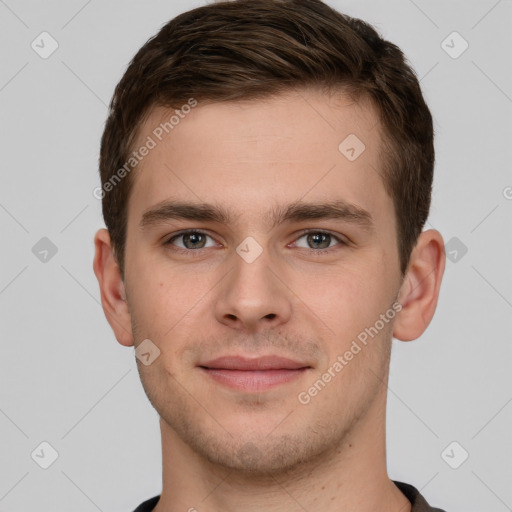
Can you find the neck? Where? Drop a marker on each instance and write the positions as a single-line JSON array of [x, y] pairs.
[[349, 477]]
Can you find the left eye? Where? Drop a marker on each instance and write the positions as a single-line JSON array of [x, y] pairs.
[[318, 240]]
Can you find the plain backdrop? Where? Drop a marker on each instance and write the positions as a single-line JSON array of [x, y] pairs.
[[64, 380]]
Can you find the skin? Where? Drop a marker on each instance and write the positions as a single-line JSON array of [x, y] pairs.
[[225, 449]]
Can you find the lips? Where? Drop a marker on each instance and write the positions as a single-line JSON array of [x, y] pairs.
[[259, 363], [253, 375]]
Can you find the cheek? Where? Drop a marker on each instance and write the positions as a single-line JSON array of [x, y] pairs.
[[347, 299], [152, 281], [168, 306]]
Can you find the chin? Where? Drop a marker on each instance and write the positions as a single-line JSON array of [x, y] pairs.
[[259, 455]]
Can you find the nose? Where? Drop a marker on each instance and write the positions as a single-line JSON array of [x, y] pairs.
[[253, 297]]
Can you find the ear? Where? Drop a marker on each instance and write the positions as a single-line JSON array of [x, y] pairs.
[[113, 294], [420, 288]]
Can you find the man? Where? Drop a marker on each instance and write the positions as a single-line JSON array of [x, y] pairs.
[[266, 173]]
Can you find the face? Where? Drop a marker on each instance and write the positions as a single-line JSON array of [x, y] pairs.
[[289, 251]]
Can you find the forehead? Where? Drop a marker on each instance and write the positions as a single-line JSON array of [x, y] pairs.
[[301, 145]]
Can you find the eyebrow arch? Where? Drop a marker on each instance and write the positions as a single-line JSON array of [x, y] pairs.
[[297, 211]]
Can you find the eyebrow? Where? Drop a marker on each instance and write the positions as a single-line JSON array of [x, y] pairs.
[[294, 212]]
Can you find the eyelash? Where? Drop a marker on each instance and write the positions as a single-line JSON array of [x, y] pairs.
[[197, 252]]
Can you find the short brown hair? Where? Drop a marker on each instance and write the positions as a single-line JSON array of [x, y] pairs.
[[250, 49]]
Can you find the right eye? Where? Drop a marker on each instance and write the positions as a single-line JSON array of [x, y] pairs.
[[190, 240]]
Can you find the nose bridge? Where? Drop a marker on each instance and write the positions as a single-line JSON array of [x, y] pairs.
[[251, 294], [251, 276]]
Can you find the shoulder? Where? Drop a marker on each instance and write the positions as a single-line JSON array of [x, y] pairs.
[[418, 502], [148, 505]]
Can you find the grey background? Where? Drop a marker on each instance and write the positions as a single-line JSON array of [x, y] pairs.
[[63, 377]]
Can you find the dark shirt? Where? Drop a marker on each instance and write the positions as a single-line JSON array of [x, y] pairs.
[[411, 493]]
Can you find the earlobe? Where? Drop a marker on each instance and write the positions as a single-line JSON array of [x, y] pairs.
[[420, 288], [113, 295]]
